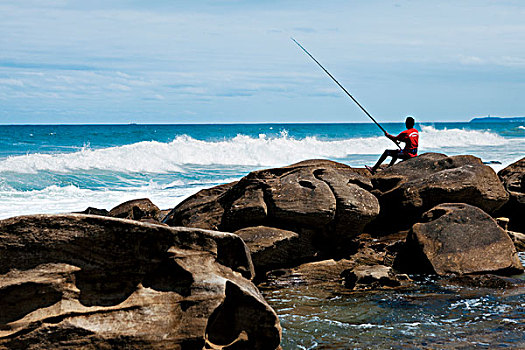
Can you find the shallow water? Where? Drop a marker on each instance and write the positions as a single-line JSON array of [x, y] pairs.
[[428, 316]]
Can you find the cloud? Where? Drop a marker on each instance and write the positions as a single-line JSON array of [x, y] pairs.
[[119, 87], [471, 60], [11, 82], [90, 54], [304, 30]]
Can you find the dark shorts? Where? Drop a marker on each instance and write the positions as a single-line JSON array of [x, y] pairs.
[[397, 153]]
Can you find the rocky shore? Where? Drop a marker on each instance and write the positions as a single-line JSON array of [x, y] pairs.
[[136, 276]]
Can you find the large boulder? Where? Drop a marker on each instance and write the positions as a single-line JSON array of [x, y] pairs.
[[513, 178], [273, 248], [457, 238], [82, 281], [316, 196], [411, 187]]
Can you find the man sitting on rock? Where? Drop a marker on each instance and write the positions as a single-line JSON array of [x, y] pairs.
[[411, 139]]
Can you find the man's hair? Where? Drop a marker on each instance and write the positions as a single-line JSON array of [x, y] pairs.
[[410, 122]]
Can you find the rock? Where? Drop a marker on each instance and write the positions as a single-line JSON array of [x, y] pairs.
[[513, 178], [503, 222], [411, 187], [202, 210], [90, 282], [486, 281], [326, 275], [317, 195], [163, 214], [323, 275], [457, 238], [372, 277], [519, 240], [273, 248], [94, 211], [136, 209]]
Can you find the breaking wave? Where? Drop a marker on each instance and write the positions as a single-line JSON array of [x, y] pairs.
[[243, 150]]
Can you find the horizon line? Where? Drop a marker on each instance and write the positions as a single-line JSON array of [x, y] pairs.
[[224, 123]]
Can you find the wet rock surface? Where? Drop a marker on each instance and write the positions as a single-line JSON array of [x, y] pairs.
[[485, 281], [329, 275], [82, 281], [372, 277], [458, 239]]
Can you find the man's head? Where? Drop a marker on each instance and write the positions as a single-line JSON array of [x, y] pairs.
[[409, 122]]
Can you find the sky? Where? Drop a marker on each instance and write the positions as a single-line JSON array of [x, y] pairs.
[[231, 61]]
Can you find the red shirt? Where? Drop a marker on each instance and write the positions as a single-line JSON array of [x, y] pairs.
[[411, 139]]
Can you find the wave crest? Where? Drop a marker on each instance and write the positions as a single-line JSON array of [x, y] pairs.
[[242, 150]]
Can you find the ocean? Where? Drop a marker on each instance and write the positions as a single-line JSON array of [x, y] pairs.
[[66, 168]]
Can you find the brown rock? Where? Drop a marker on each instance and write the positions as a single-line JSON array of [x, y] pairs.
[[316, 195], [324, 275], [136, 209], [298, 197], [94, 211], [411, 187], [356, 206], [273, 248], [91, 282], [202, 210], [460, 239], [327, 276], [519, 240], [247, 208], [486, 281], [372, 277], [513, 178]]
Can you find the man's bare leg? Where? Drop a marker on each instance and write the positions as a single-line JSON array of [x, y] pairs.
[[380, 161]]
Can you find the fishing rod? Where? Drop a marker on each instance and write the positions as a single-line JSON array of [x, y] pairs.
[[342, 87]]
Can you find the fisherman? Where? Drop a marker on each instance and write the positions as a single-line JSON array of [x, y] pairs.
[[411, 139]]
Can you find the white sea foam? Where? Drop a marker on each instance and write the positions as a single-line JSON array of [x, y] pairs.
[[62, 199], [159, 157], [435, 138]]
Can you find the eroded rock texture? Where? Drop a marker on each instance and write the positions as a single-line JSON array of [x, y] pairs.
[[202, 210], [315, 198], [461, 239], [513, 178], [411, 187], [91, 282]]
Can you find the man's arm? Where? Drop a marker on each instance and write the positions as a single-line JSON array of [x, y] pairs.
[[391, 137], [396, 139]]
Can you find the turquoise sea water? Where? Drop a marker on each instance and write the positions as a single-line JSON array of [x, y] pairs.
[[61, 168]]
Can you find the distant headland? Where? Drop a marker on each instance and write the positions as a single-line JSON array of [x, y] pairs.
[[490, 119]]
